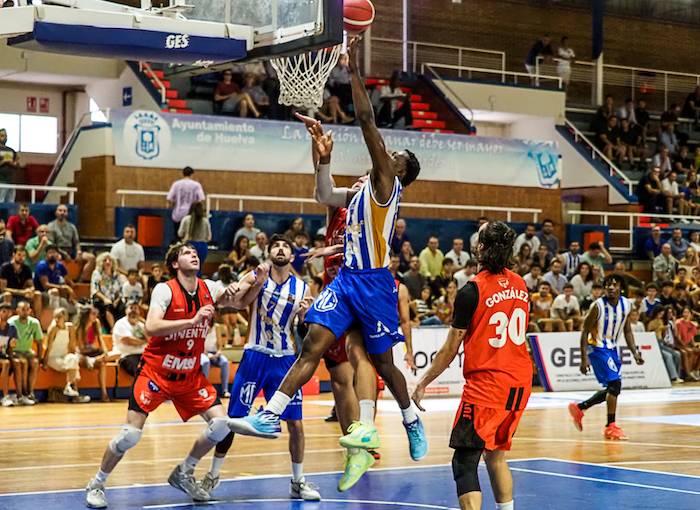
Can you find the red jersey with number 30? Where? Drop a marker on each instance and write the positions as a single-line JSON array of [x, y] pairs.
[[497, 367], [179, 352]]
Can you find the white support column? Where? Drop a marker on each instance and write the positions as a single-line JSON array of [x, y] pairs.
[[599, 80], [368, 52], [404, 36]]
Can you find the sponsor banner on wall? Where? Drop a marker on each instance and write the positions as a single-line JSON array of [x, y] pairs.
[[558, 355], [164, 140]]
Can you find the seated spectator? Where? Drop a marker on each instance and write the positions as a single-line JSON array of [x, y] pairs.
[[523, 259], [424, 309], [300, 247], [691, 106], [212, 356], [666, 298], [465, 275], [51, 279], [440, 282], [571, 259], [331, 111], [339, 81], [7, 247], [665, 264], [603, 114], [607, 139], [690, 259], [668, 139], [62, 351], [683, 278], [8, 363], [91, 345], [132, 289], [196, 230], [157, 276], [106, 290], [400, 236], [445, 305], [684, 163], [229, 99], [413, 279], [541, 303], [261, 250], [664, 336], [631, 141], [686, 331], [127, 253], [652, 246], [548, 238], [627, 112], [16, 281], [598, 256], [21, 226], [631, 282], [528, 237], [405, 256], [675, 200], [36, 246], [662, 159], [231, 319], [636, 325], [566, 308], [650, 302], [582, 281], [543, 257], [64, 235], [431, 258], [248, 229], [642, 116], [474, 238], [596, 293], [678, 245], [28, 335], [650, 192], [670, 116], [130, 338], [296, 227], [240, 254], [533, 279], [252, 87], [457, 254], [395, 104], [554, 278]]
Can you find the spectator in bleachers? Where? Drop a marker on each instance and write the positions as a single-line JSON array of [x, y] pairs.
[[21, 226], [555, 278], [395, 104], [196, 230], [668, 139], [523, 259], [28, 334], [474, 239], [670, 116], [607, 139], [664, 265], [261, 250], [248, 229], [687, 330], [597, 255], [667, 298], [582, 281], [678, 244], [689, 260], [445, 305], [16, 281], [671, 357], [642, 116], [650, 302], [64, 235], [439, 283], [51, 278], [8, 363], [92, 347], [662, 160], [7, 247], [571, 259], [649, 191], [533, 278], [631, 282], [631, 140], [252, 87], [691, 106], [157, 276], [565, 307], [296, 227], [229, 99], [9, 165], [62, 351], [541, 302], [413, 279], [130, 339], [457, 254], [313, 264], [405, 256], [331, 111], [652, 246], [431, 258], [466, 274], [300, 247], [127, 253], [106, 290], [400, 236], [596, 293], [548, 238], [240, 254], [132, 289], [394, 267], [424, 308], [229, 315], [684, 163], [691, 190], [182, 194], [541, 48], [565, 56], [36, 246], [675, 200], [543, 257], [529, 236], [634, 322], [627, 112], [212, 356], [339, 81]]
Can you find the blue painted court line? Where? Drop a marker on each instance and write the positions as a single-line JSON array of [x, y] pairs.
[[540, 484]]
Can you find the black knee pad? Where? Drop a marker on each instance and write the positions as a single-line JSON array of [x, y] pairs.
[[465, 465], [224, 445], [615, 387]]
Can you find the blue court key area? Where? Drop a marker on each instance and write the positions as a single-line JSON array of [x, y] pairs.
[[539, 484]]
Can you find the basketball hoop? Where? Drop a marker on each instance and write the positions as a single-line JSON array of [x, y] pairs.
[[303, 77]]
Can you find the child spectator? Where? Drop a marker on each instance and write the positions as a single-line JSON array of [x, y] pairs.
[[439, 284], [157, 276], [212, 356], [132, 290], [424, 309], [300, 247], [463, 276], [650, 302], [8, 337], [636, 325], [596, 293], [28, 333], [62, 352], [91, 345], [541, 303], [446, 304]]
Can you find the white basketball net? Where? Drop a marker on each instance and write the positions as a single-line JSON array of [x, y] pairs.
[[303, 77]]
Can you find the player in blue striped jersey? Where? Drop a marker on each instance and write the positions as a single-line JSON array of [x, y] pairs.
[[268, 354], [602, 327]]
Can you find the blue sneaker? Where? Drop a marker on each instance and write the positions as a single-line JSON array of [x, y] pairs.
[[261, 424], [417, 442]]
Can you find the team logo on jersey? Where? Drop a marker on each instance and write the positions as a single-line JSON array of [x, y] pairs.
[[204, 393], [326, 301], [247, 394], [148, 133], [611, 365], [153, 387], [381, 330], [144, 398], [504, 282]]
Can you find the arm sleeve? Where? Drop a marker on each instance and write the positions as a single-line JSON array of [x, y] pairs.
[[161, 296], [465, 306], [326, 192]]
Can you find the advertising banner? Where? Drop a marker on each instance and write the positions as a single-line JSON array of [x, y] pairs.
[[164, 140]]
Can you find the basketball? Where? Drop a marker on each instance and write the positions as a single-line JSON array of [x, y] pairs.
[[358, 15]]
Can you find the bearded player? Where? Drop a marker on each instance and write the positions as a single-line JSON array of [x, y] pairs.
[[178, 320], [490, 319], [364, 293]]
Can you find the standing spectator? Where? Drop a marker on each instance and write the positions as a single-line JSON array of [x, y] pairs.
[[212, 356], [582, 281], [649, 191], [678, 245], [36, 246], [431, 259], [9, 164], [413, 279], [16, 281], [62, 351], [132, 289], [528, 237], [183, 193], [642, 116], [339, 81], [91, 345], [28, 333], [548, 238], [64, 235], [565, 56], [465, 275], [541, 302], [261, 250], [396, 104], [51, 277], [543, 257], [400, 236], [554, 278], [598, 256], [652, 246], [405, 256], [671, 357], [691, 107], [533, 279], [239, 255], [664, 265], [662, 159], [229, 99], [8, 364], [106, 289], [474, 239], [248, 229], [195, 229], [22, 225], [457, 254], [541, 47], [127, 253], [523, 259], [130, 338], [686, 331], [627, 112], [566, 308], [674, 198], [571, 259], [7, 247]]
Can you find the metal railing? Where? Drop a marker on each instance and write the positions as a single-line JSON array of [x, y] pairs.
[[455, 96], [525, 78], [33, 188], [151, 75], [123, 193], [615, 172]]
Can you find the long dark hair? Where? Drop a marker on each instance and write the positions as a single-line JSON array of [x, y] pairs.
[[497, 239], [589, 277], [83, 318], [197, 214], [238, 248]]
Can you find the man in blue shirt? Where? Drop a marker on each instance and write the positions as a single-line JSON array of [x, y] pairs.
[[678, 244], [652, 246], [51, 274]]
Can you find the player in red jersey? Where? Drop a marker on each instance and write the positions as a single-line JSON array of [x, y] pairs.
[[178, 321], [490, 318]]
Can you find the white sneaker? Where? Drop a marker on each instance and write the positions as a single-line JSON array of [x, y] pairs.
[[7, 401], [69, 391], [26, 401], [304, 490], [95, 495], [227, 394]]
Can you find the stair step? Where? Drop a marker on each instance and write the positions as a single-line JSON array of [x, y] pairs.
[[177, 103], [185, 111], [435, 124], [156, 72], [172, 93], [425, 115], [444, 131], [420, 106], [166, 83], [416, 98], [376, 81]]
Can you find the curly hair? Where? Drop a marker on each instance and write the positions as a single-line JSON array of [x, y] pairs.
[[497, 239], [172, 255]]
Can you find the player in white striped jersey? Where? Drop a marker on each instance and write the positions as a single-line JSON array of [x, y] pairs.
[[269, 352], [602, 327]]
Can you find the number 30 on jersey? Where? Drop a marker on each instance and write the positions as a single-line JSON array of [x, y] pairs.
[[512, 327]]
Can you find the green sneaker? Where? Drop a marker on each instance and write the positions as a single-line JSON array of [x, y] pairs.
[[361, 435], [356, 465]]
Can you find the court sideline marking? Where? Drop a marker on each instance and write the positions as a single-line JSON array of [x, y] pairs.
[[280, 500]]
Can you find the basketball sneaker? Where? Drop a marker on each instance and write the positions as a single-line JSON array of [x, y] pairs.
[[262, 424], [184, 480], [95, 495], [69, 391], [304, 490], [361, 435], [614, 432], [356, 465], [577, 415], [417, 442], [209, 483]]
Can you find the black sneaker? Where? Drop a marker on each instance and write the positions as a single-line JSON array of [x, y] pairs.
[[333, 417]]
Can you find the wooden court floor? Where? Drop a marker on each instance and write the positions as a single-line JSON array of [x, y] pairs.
[[59, 446]]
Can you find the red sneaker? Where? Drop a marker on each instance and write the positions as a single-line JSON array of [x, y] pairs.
[[375, 454], [577, 415], [614, 433]]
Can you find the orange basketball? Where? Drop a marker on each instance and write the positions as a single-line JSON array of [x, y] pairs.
[[358, 15]]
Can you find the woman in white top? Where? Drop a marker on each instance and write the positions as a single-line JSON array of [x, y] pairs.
[[565, 57], [61, 351], [196, 230], [582, 281]]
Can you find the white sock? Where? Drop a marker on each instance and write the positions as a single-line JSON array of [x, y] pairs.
[[367, 411], [278, 403], [101, 476], [216, 463], [189, 463], [409, 414], [506, 506], [298, 472]]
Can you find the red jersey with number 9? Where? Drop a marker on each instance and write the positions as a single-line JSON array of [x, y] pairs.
[[497, 367]]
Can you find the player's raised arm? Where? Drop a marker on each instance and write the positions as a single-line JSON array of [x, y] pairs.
[[589, 325], [250, 286]]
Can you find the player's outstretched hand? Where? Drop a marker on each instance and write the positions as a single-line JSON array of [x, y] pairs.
[[638, 358], [584, 366], [204, 314], [323, 142], [417, 396], [308, 121], [261, 273]]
